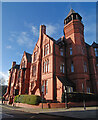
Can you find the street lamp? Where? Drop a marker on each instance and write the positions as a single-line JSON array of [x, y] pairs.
[[65, 97], [83, 97], [42, 99], [42, 95]]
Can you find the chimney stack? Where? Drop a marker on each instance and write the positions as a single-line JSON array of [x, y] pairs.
[[13, 63], [42, 29]]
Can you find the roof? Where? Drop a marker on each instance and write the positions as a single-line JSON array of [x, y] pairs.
[[28, 55], [64, 81], [70, 12], [60, 40], [87, 45], [50, 38], [94, 45], [15, 67]]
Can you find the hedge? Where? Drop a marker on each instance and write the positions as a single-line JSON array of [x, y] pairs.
[[79, 97], [28, 99]]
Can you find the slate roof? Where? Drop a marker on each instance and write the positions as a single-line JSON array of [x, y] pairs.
[[65, 82], [28, 55], [15, 67], [94, 45], [50, 38], [70, 12]]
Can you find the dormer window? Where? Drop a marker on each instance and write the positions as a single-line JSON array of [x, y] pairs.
[[96, 52], [46, 49]]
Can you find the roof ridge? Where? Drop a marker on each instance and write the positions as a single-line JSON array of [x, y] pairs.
[[70, 12]]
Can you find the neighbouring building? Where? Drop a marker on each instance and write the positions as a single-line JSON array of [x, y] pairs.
[[19, 77], [55, 65]]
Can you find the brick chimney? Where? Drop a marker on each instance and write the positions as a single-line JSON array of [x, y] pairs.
[[42, 29], [13, 63]]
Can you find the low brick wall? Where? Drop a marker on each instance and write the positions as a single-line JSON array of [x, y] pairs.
[[6, 102], [54, 105], [45, 105], [80, 104], [25, 105]]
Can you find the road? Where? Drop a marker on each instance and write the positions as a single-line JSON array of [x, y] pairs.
[[10, 114]]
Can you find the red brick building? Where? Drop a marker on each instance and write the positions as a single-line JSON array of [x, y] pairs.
[[19, 77], [67, 63]]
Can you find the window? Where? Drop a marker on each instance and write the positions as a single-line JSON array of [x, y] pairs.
[[62, 68], [69, 89], [96, 52], [45, 86], [35, 55], [70, 50], [46, 49], [61, 52], [34, 70], [72, 67], [83, 50], [88, 90], [85, 67], [46, 66], [82, 87], [19, 74], [23, 64], [32, 85]]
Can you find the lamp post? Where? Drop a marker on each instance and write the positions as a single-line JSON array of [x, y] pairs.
[[83, 97], [65, 97], [42, 95], [42, 99]]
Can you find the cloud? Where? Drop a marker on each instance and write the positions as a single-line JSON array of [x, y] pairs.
[[21, 38], [24, 39], [33, 28], [4, 77], [51, 29], [9, 47], [35, 31]]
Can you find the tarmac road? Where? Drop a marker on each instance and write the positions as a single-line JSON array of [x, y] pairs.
[[9, 114]]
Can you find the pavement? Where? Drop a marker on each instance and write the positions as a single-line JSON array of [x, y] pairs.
[[91, 113]]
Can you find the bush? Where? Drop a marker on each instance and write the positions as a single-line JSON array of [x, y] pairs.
[[28, 99], [79, 97]]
